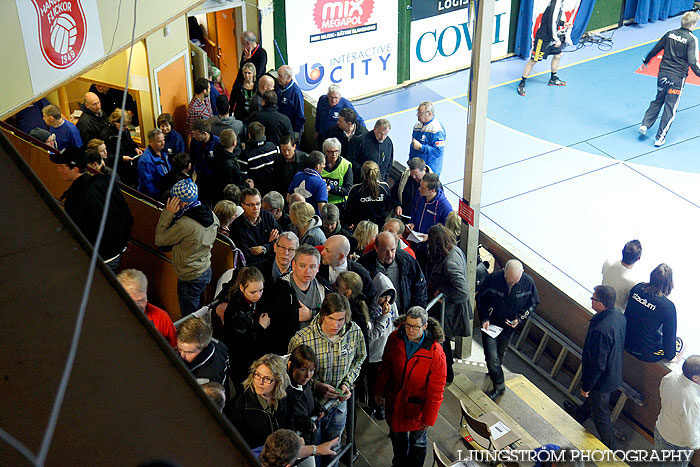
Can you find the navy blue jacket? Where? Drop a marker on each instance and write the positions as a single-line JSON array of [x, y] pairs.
[[602, 352], [496, 306]]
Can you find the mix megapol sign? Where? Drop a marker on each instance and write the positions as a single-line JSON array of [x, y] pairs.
[[442, 35], [351, 43], [60, 38]]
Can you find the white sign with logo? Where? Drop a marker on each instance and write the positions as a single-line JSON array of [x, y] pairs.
[[60, 38], [351, 43], [442, 35]]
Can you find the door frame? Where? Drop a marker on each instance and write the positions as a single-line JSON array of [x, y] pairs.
[[188, 77]]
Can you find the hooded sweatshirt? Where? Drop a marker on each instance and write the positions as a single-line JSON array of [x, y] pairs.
[[381, 325], [314, 235], [191, 236]]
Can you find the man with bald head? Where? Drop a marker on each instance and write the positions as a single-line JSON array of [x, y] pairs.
[[93, 122], [504, 299], [334, 258], [266, 83], [290, 101], [400, 267]]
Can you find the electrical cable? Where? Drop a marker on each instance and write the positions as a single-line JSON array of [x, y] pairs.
[[114, 34], [55, 411]]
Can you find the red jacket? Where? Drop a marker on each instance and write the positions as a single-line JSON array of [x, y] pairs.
[[413, 389], [162, 322]]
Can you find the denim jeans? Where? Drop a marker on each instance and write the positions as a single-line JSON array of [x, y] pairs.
[[494, 351], [189, 293], [410, 448], [600, 413], [331, 426], [660, 444]]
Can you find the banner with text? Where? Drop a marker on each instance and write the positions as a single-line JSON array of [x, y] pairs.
[[442, 32], [60, 38], [350, 43], [564, 14]]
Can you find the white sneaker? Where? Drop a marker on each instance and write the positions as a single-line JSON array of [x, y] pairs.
[[642, 130], [659, 142]]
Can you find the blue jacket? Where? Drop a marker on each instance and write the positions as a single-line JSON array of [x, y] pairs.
[[327, 116], [601, 359], [151, 170], [432, 136], [213, 95], [174, 144], [290, 102], [425, 215], [202, 156]]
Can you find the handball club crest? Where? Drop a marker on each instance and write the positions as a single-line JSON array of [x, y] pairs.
[[62, 31]]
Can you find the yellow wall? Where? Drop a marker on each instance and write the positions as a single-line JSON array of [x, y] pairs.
[[14, 74], [161, 49]]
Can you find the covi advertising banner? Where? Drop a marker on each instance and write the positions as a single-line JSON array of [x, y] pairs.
[[351, 43], [60, 38], [442, 34]]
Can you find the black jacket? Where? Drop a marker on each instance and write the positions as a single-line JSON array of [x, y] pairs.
[[680, 48], [245, 236], [412, 290], [367, 148], [361, 205], [253, 422], [602, 352], [84, 202], [285, 171], [91, 126], [211, 364], [495, 305], [245, 339], [276, 124], [256, 163], [336, 132], [226, 170], [303, 407]]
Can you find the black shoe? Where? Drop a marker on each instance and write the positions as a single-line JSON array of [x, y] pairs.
[[555, 81], [379, 413], [495, 393], [575, 411], [521, 89]]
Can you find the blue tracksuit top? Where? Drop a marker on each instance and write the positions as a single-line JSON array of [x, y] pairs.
[[425, 215], [290, 102], [432, 136]]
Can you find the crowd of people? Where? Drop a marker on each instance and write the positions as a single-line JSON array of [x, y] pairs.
[[337, 260]]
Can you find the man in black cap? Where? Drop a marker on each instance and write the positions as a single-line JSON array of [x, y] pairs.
[[84, 202]]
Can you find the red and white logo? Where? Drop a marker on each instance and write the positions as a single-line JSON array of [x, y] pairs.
[[62, 30], [332, 15]]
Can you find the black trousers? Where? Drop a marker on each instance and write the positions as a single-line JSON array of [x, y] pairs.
[[668, 94]]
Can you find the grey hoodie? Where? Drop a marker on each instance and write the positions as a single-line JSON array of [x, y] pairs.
[[381, 325]]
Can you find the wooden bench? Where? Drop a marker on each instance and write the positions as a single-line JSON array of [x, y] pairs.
[[568, 429]]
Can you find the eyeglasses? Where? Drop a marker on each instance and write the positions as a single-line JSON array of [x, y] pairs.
[[286, 250], [420, 114], [330, 151], [596, 300], [414, 327], [251, 204], [265, 379]]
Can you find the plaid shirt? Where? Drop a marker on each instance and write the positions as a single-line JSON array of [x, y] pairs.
[[338, 363], [198, 110]]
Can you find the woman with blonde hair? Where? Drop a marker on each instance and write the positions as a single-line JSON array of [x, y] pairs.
[[365, 232], [369, 200], [243, 92], [306, 224], [225, 211], [128, 149]]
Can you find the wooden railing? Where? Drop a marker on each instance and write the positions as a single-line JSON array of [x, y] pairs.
[[142, 253]]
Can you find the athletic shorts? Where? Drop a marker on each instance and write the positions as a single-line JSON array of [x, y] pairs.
[[541, 51]]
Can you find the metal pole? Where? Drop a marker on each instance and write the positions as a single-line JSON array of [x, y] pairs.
[[476, 135]]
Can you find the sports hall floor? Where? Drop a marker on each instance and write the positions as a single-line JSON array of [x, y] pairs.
[[567, 179]]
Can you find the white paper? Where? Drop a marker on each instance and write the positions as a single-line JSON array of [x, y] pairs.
[[498, 430], [417, 237], [492, 331]]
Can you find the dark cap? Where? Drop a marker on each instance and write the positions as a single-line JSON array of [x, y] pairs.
[[71, 156], [40, 134]]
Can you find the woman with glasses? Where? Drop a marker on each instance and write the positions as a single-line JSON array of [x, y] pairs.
[[262, 408]]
